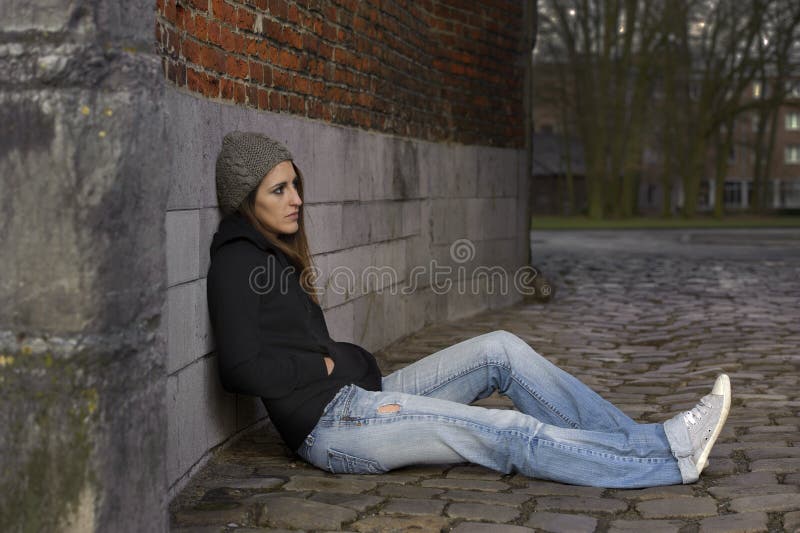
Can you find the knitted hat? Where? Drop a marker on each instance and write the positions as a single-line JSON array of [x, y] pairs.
[[245, 158]]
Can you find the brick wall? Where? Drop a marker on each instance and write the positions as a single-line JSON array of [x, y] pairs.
[[433, 70]]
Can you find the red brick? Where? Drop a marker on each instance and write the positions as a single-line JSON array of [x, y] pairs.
[[239, 95], [226, 89], [293, 15], [281, 79], [278, 8], [292, 38], [202, 83], [267, 75], [236, 67], [274, 101], [223, 11], [227, 40], [297, 104], [271, 29], [214, 33], [252, 95], [201, 27], [302, 84], [245, 20], [201, 5], [288, 60], [263, 99], [256, 72]]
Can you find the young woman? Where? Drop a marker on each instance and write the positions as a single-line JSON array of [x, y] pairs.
[[331, 405]]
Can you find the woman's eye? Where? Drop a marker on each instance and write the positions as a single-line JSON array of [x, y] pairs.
[[279, 190]]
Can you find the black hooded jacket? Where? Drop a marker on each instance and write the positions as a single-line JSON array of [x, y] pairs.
[[271, 337]]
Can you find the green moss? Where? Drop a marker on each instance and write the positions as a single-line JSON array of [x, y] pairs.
[[49, 447]]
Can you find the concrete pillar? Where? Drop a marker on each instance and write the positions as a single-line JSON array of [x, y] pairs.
[[83, 189]]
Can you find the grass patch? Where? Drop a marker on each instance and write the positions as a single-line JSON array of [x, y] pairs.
[[700, 221]]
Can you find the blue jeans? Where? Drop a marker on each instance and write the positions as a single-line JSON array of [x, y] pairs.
[[563, 430]]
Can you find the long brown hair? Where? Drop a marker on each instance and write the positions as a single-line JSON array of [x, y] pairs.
[[295, 245]]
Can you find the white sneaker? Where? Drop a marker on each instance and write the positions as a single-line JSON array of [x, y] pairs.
[[704, 422]]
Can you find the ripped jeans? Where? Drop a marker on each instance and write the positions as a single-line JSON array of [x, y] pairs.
[[563, 430]]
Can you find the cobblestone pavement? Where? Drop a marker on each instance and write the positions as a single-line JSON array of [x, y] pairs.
[[647, 318]]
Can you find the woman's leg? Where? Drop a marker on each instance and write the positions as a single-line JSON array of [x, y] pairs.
[[373, 432], [474, 368]]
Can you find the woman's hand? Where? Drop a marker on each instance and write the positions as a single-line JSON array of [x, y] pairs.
[[329, 364]]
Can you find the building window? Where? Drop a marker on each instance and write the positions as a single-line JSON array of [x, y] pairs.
[[792, 154], [793, 121], [793, 89], [732, 194], [757, 89], [755, 123]]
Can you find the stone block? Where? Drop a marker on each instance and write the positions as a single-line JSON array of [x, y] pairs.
[[188, 324], [481, 511], [183, 243], [294, 513], [209, 222], [413, 506], [768, 503], [650, 526], [561, 523], [678, 508], [323, 227], [735, 523], [481, 527]]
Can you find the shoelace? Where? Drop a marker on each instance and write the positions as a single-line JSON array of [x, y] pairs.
[[698, 412]]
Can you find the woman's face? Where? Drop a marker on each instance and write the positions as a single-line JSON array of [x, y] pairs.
[[278, 201]]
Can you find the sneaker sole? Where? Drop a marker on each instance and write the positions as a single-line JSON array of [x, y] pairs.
[[702, 462]]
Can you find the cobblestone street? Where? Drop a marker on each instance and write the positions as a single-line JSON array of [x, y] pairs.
[[646, 318]]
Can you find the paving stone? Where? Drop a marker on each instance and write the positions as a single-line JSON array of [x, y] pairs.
[[768, 503], [735, 523], [792, 479], [252, 483], [413, 507], [791, 521], [480, 511], [465, 484], [580, 504], [393, 524], [748, 479], [678, 508], [405, 491], [479, 527], [773, 453], [718, 467], [654, 493], [222, 515], [358, 502], [293, 513], [757, 490], [545, 488], [561, 523], [199, 529], [776, 465], [498, 498], [650, 526], [331, 484], [473, 472]]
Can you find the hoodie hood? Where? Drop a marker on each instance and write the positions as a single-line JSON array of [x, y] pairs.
[[234, 227]]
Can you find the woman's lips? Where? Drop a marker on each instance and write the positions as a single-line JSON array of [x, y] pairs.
[[293, 216]]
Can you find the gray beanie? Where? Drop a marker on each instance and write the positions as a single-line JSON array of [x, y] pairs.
[[245, 158]]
